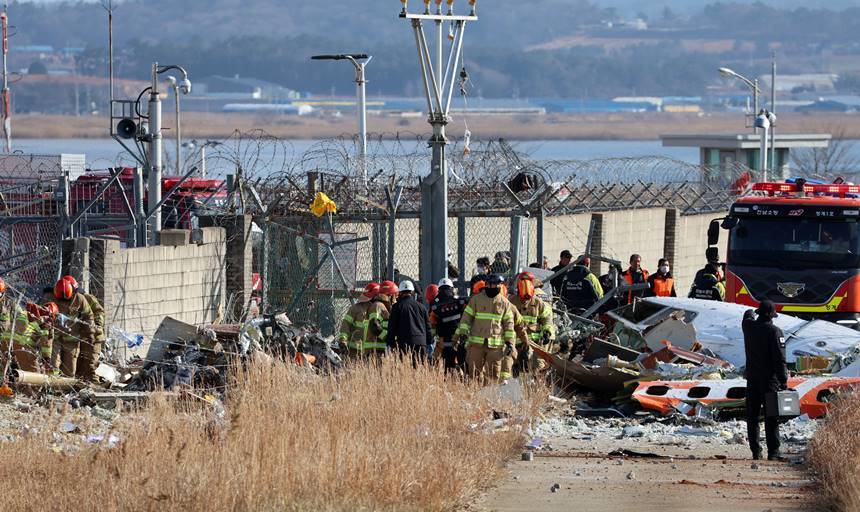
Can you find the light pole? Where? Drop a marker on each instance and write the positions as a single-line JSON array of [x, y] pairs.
[[173, 83], [762, 121], [155, 142], [752, 84], [359, 61], [438, 89], [208, 144]]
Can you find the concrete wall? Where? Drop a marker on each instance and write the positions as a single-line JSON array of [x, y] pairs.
[[634, 231], [691, 241]]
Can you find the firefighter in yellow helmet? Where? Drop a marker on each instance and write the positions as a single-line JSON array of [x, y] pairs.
[[487, 328]]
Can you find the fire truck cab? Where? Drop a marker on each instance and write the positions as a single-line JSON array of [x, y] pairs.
[[797, 244]]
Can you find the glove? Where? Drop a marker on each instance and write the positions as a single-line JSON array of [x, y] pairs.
[[462, 339], [509, 348], [546, 338], [564, 347]]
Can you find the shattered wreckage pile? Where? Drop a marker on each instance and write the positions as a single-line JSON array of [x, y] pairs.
[[670, 370]]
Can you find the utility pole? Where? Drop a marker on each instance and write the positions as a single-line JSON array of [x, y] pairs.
[[7, 100], [109, 9], [438, 89], [773, 111]]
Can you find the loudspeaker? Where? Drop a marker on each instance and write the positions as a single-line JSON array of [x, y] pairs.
[[126, 129]]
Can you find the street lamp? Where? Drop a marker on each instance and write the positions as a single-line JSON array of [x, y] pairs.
[[175, 85], [155, 140], [359, 61], [208, 144], [752, 84]]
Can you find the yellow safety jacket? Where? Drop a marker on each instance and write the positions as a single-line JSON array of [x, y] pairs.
[[488, 321], [363, 328], [536, 318], [98, 317], [14, 322], [41, 337]]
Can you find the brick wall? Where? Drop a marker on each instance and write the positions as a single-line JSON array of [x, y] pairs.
[[140, 286]]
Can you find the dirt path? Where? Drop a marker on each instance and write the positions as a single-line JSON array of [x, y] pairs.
[[589, 479]]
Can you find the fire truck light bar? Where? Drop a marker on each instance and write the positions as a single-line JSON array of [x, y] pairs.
[[782, 188]]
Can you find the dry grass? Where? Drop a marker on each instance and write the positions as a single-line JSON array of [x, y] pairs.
[[834, 454], [631, 126], [391, 438]]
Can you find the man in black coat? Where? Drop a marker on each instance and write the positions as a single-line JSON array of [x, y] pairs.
[[766, 372], [409, 326]]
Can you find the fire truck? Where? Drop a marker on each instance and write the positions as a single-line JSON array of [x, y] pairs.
[[797, 244], [197, 196]]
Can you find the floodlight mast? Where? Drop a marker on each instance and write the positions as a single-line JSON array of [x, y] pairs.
[[438, 90]]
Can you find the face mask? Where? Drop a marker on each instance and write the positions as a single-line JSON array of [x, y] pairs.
[[664, 269], [491, 292]]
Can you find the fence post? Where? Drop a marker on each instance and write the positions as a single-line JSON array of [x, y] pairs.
[[461, 252], [540, 220], [596, 241], [516, 242], [670, 236]]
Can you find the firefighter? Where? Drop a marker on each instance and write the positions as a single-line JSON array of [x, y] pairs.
[[32, 350], [362, 325], [445, 313], [75, 319], [662, 284], [765, 372], [486, 328], [580, 288], [88, 360], [14, 326], [707, 285], [537, 324], [635, 274]]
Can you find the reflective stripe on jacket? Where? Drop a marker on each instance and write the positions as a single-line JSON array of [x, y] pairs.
[[488, 321]]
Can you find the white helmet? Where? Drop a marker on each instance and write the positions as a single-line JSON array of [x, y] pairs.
[[406, 286], [446, 282]]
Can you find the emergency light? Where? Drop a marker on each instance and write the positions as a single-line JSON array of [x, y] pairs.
[[817, 189]]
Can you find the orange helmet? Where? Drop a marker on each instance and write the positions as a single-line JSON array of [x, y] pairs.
[[371, 290], [2, 285], [526, 289], [523, 276], [431, 292], [51, 308], [388, 288], [71, 280], [478, 286], [64, 289]]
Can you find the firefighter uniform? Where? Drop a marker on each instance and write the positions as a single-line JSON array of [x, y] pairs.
[[510, 352], [446, 310], [74, 329], [15, 336], [88, 360], [362, 328], [538, 326], [487, 324]]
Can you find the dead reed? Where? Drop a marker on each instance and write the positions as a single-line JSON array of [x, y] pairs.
[[834, 454], [374, 438]]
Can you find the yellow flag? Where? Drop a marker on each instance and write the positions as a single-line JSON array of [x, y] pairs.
[[323, 204]]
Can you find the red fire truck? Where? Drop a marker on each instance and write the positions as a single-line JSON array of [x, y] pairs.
[[797, 244], [198, 196]]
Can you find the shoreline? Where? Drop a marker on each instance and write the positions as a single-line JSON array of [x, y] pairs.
[[551, 127]]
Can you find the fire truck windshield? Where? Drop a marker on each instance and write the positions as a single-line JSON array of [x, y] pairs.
[[795, 243]]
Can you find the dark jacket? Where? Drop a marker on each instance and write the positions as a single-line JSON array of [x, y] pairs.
[[765, 350], [445, 314], [707, 287], [580, 289], [409, 324], [556, 282]]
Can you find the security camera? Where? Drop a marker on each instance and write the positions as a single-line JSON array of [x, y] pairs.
[[185, 86]]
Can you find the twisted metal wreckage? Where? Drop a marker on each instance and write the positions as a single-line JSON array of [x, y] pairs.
[[613, 356]]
